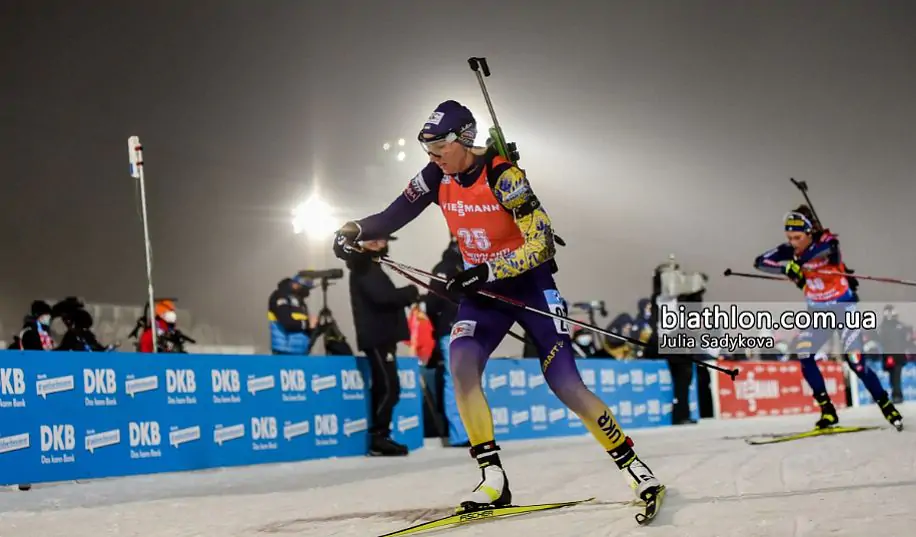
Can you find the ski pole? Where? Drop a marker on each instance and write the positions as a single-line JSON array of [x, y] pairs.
[[730, 272], [562, 318], [898, 281], [416, 281], [874, 278]]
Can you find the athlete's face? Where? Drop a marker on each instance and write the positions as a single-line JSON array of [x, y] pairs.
[[375, 245], [451, 157], [799, 240]]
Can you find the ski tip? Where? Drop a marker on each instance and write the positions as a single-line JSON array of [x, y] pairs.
[[653, 506]]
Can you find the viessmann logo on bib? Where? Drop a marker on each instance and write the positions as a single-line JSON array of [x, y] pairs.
[[463, 208]]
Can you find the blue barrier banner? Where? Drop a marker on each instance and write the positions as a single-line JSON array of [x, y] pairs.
[[907, 382], [639, 392], [67, 416], [407, 422], [694, 396]]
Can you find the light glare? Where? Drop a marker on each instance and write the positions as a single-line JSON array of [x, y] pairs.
[[315, 218], [483, 132]]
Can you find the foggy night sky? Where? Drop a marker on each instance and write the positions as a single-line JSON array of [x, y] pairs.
[[646, 128]]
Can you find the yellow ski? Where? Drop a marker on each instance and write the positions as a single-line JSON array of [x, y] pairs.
[[480, 515], [775, 438]]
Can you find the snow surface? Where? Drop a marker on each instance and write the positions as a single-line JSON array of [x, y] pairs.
[[847, 485]]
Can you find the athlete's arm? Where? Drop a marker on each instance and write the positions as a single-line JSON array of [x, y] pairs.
[[513, 191], [774, 261], [828, 246], [422, 190]]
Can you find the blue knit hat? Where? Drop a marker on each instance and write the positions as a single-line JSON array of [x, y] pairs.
[[450, 121]]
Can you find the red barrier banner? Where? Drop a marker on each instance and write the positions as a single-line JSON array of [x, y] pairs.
[[775, 389]]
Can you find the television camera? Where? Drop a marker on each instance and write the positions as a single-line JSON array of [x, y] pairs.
[[590, 308], [335, 343], [78, 321]]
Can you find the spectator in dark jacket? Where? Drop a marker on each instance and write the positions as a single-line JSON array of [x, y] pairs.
[[36, 329], [79, 336], [381, 322], [442, 311], [895, 338], [288, 315]]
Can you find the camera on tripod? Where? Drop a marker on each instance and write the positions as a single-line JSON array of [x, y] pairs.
[[327, 274], [335, 343]]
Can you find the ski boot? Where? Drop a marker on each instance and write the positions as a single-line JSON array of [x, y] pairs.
[[493, 489], [891, 414], [641, 479], [829, 416], [383, 446]]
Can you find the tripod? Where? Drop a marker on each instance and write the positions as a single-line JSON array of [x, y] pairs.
[[335, 343]]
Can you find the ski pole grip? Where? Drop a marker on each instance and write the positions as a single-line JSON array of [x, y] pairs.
[[479, 64], [801, 185]]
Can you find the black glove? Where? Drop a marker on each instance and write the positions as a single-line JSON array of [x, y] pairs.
[[468, 281], [413, 293], [345, 241], [794, 272]]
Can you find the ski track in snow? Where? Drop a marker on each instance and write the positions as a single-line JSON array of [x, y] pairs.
[[845, 485]]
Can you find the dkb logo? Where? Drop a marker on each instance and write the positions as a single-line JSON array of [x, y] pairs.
[[408, 379], [352, 379], [225, 380], [180, 381], [292, 380], [325, 424], [57, 437], [100, 381], [12, 381], [144, 433], [264, 428]]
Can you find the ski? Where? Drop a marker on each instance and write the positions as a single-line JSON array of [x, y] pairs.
[[776, 438], [653, 506], [482, 514]]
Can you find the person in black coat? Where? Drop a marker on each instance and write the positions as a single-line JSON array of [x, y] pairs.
[[79, 335], [439, 308], [36, 329], [442, 312], [381, 322], [896, 339]]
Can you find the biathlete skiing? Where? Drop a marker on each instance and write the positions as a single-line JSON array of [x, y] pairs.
[[808, 257], [508, 247]]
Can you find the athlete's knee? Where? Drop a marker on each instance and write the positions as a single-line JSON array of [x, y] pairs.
[[465, 355], [567, 385]]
